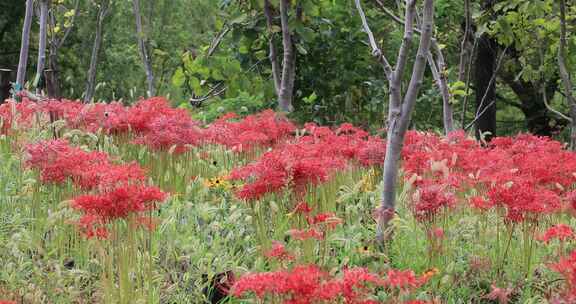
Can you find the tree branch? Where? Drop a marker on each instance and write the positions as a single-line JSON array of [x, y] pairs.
[[376, 52]]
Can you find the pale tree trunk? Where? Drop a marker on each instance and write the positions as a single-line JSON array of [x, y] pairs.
[[23, 62], [438, 67], [286, 90], [91, 82], [142, 45], [44, 4], [442, 82], [466, 56], [400, 109], [273, 53], [565, 74]]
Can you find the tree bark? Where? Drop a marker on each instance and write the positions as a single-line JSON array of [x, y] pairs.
[[5, 78], [532, 103], [143, 46], [399, 124], [23, 62], [465, 45], [565, 74], [91, 81], [485, 66], [273, 53], [441, 79], [288, 63], [41, 63], [400, 109], [438, 68]]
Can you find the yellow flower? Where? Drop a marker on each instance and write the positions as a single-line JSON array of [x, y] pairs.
[[217, 182]]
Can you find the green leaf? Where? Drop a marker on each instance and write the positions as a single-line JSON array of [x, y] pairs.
[[178, 78]]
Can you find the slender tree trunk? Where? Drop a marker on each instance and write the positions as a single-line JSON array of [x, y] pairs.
[[142, 45], [399, 125], [91, 82], [23, 62], [288, 63], [400, 109], [485, 67], [5, 78], [440, 73], [465, 45], [273, 53], [44, 4], [565, 74]]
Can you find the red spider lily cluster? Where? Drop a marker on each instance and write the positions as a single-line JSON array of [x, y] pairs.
[[12, 113], [525, 176], [278, 252], [308, 284], [306, 160], [559, 232], [566, 266], [259, 130], [57, 162], [120, 189]]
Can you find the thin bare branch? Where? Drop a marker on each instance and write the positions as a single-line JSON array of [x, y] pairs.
[[376, 51], [61, 41], [217, 40]]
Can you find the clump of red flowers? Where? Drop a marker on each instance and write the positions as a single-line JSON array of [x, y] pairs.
[[278, 252], [566, 266], [263, 129], [20, 113], [308, 284], [58, 161], [119, 189], [429, 200], [560, 232]]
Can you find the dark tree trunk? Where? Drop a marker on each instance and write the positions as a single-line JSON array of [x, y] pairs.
[[484, 66], [538, 119], [91, 82], [5, 78]]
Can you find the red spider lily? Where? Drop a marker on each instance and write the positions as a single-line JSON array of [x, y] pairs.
[[22, 116], [306, 234], [428, 200], [481, 203], [92, 226], [278, 252], [372, 153], [307, 284], [501, 295], [57, 161], [7, 302], [302, 208], [176, 130], [561, 232], [328, 218], [120, 202], [404, 280], [567, 268], [521, 200], [262, 129]]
